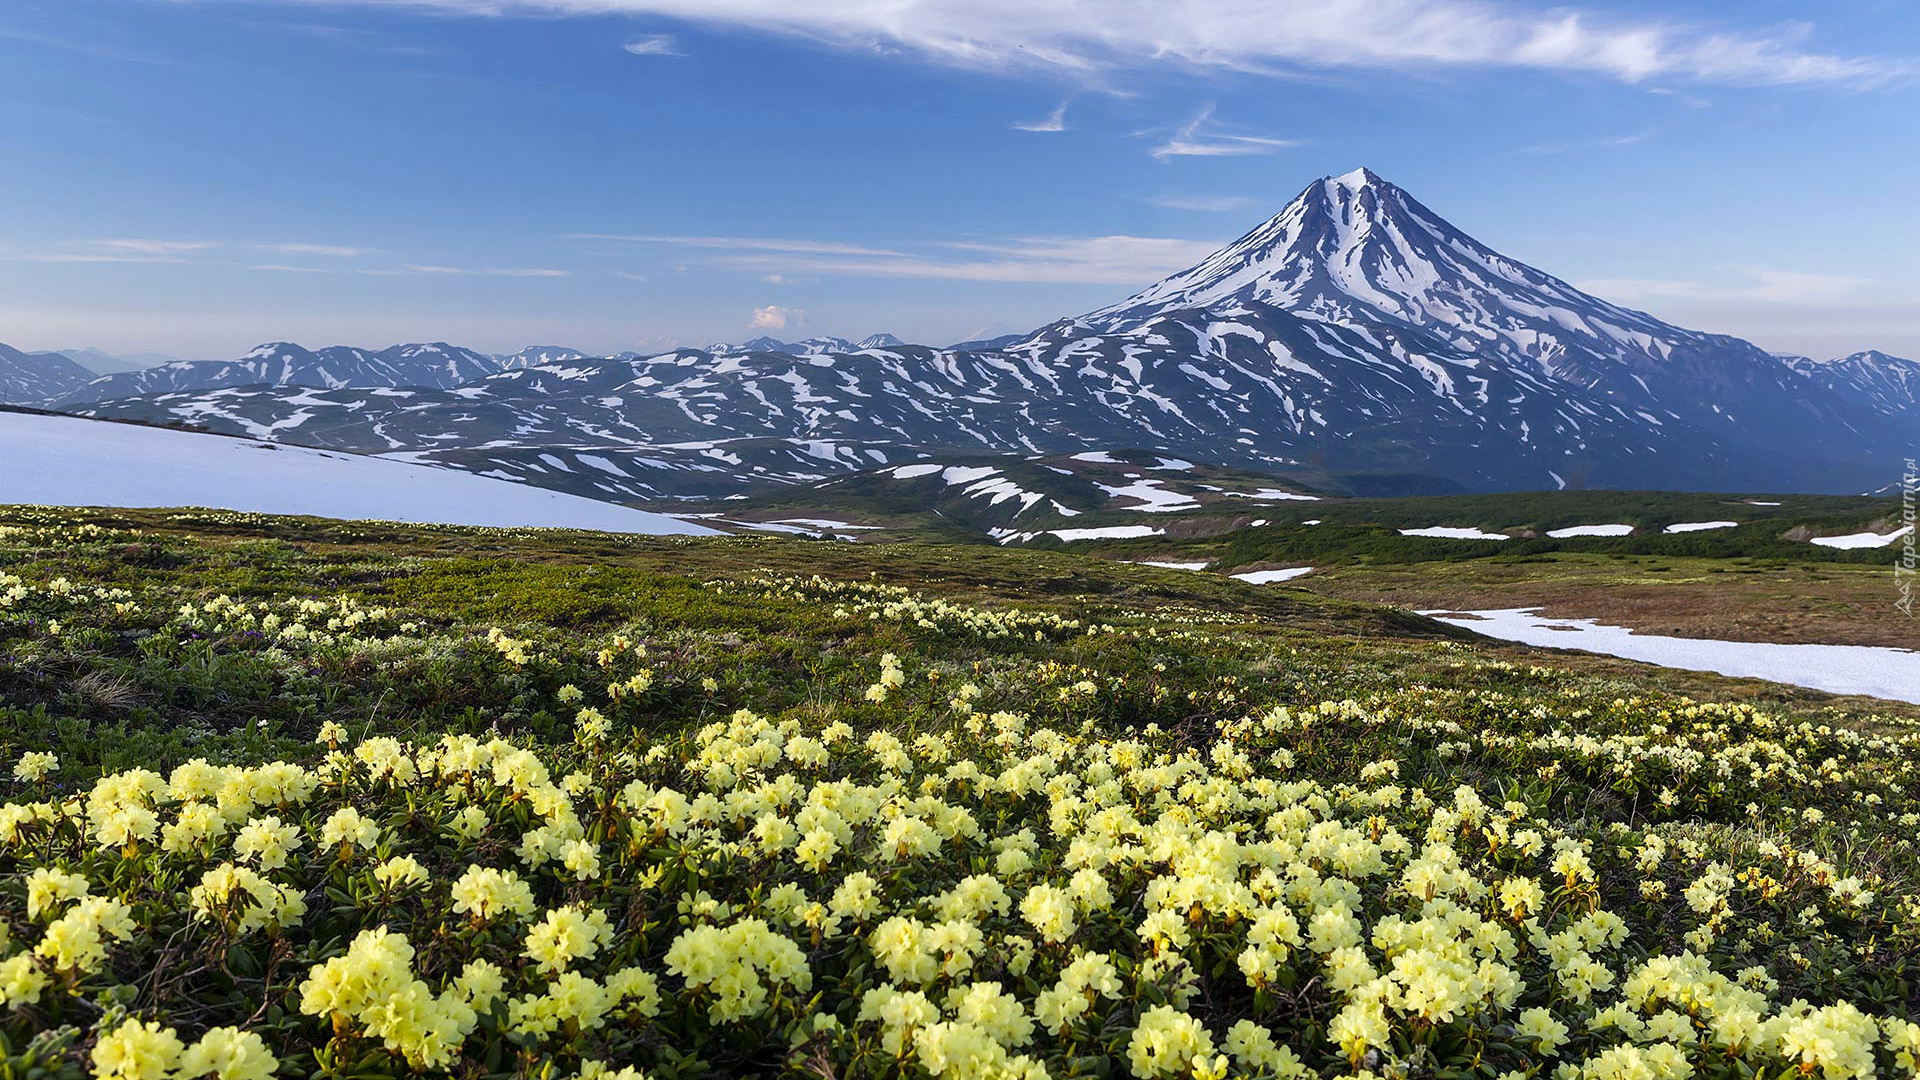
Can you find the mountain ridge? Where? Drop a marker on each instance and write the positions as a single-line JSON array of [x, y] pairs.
[[1355, 333]]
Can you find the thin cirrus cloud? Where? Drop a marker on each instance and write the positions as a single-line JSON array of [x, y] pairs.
[[335, 250], [654, 45], [154, 247], [1092, 38], [457, 271], [1202, 137], [1055, 121], [741, 243], [141, 249], [1573, 146], [1761, 284], [147, 251], [1213, 204], [1095, 260]]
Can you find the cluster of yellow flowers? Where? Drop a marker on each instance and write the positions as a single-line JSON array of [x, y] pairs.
[[876, 602], [972, 893]]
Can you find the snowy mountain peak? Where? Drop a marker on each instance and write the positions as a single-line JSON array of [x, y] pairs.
[[1357, 249], [1871, 356], [1362, 177], [275, 349]]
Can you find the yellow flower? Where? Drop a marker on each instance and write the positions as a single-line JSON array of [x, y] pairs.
[[565, 935], [35, 765], [21, 980], [731, 962], [1521, 897], [486, 893], [48, 887], [136, 1050], [1050, 911], [400, 871], [1165, 1043], [1540, 1025], [346, 826], [229, 1054], [268, 841]]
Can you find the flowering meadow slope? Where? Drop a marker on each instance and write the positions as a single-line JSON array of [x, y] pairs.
[[479, 805]]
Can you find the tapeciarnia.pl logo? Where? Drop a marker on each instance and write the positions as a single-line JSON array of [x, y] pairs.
[[1904, 567]]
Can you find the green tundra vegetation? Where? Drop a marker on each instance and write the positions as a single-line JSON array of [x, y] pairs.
[[288, 797]]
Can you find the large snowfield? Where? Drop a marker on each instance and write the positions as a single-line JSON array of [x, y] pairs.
[[1837, 669], [71, 461]]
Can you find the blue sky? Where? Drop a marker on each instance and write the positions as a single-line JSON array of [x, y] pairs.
[[196, 176]]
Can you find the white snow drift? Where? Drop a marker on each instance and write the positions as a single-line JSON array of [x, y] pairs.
[[1856, 541], [1451, 532], [1837, 669], [70, 461], [1268, 577], [1589, 530]]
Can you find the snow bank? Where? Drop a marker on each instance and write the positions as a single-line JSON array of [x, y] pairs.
[[1153, 498], [1109, 532], [1854, 541], [1590, 530], [1268, 577], [1700, 526], [1837, 669], [71, 461], [1448, 532]]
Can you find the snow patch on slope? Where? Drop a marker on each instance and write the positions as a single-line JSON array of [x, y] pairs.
[[70, 461]]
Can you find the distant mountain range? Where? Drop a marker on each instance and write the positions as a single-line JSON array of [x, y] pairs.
[[806, 346], [1871, 379], [1355, 340], [101, 362], [285, 364], [32, 377]]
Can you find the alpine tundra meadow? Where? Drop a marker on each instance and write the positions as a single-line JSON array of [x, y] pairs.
[[1039, 556]]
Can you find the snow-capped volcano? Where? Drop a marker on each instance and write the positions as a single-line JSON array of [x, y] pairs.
[[1358, 249], [1379, 332], [1357, 245]]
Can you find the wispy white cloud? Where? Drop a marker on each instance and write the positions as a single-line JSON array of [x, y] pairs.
[[88, 257], [654, 45], [1742, 283], [143, 249], [86, 47], [318, 249], [154, 247], [1055, 121], [1201, 137], [1104, 260], [740, 243], [281, 268], [1795, 311], [1207, 203], [456, 271], [1572, 146], [1091, 38]]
